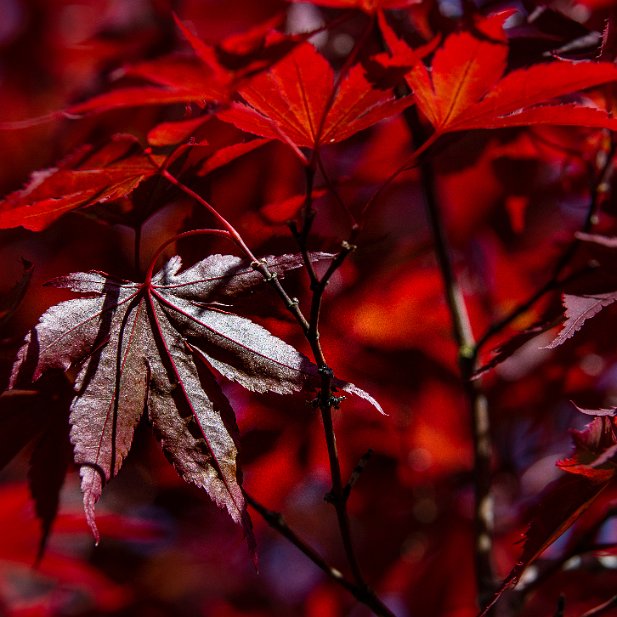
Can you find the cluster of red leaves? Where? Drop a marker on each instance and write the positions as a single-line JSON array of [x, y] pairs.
[[240, 105]]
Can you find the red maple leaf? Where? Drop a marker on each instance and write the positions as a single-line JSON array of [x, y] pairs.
[[466, 87], [153, 346], [86, 177], [299, 102], [211, 73], [591, 468]]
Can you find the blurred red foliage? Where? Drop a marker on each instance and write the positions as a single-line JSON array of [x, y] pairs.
[[447, 153]]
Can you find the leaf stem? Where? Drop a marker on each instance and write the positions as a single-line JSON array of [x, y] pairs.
[[351, 57], [412, 161], [334, 192], [602, 608], [186, 234], [231, 230]]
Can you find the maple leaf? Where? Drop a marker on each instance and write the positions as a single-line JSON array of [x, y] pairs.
[[152, 346], [578, 310], [466, 87], [225, 155], [296, 102], [591, 468], [211, 74], [595, 447], [173, 133], [40, 416], [559, 506], [84, 178]]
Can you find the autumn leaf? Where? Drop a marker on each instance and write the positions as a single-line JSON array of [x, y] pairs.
[[591, 468], [152, 346], [559, 506], [578, 310], [298, 103], [210, 74], [39, 415], [466, 87], [86, 177], [174, 133], [225, 155], [595, 447]]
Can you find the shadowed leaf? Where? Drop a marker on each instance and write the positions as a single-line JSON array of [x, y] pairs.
[[85, 178], [141, 346], [559, 506]]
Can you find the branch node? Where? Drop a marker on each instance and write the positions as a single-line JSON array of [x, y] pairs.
[[467, 352], [348, 247], [330, 497], [326, 371], [335, 401], [293, 228], [357, 472], [336, 573]]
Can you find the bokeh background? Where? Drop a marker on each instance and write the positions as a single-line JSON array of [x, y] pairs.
[[512, 200]]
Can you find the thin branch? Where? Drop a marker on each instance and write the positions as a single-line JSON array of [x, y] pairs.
[[598, 193], [276, 521], [308, 216], [561, 606], [326, 400], [602, 608], [334, 192], [357, 472], [465, 341], [480, 423]]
